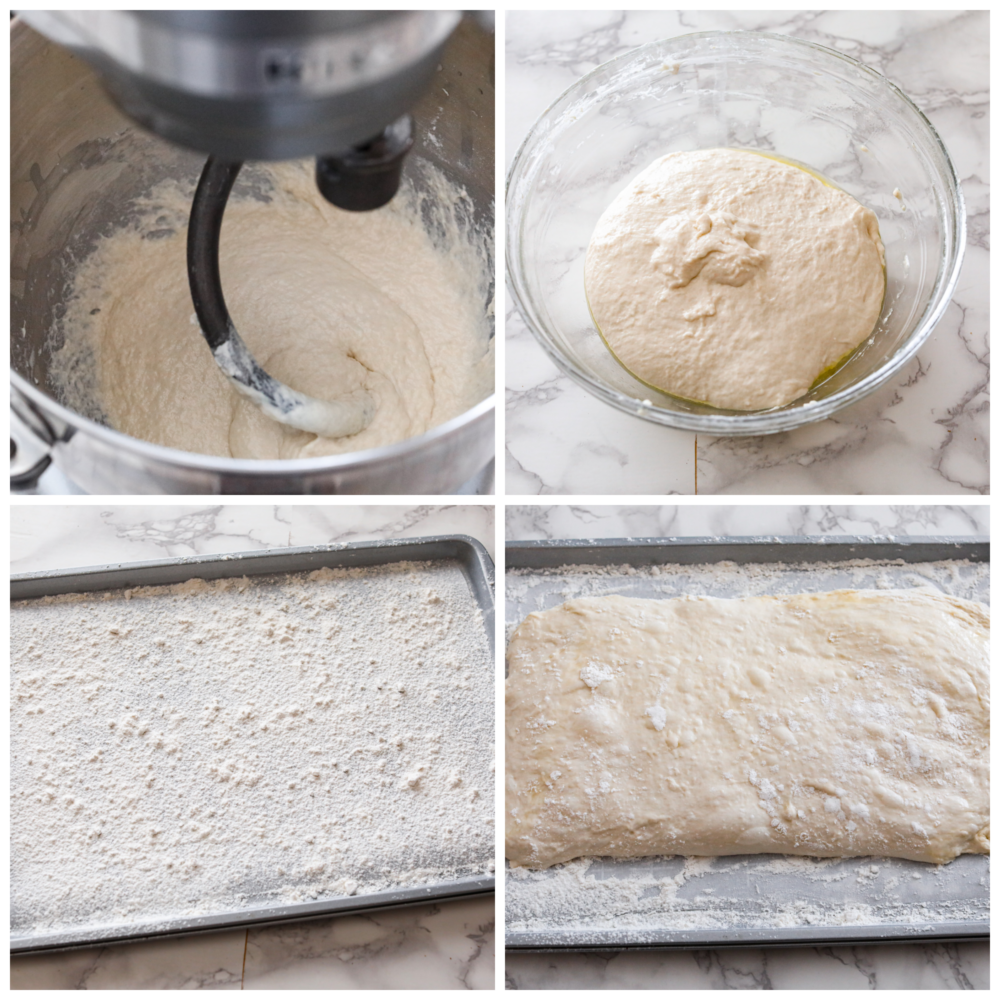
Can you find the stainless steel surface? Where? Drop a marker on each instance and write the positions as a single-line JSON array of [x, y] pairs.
[[483, 483], [222, 53], [29, 453], [258, 84], [52, 482], [477, 567], [806, 564], [76, 164]]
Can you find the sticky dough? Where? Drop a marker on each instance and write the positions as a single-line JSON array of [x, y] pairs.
[[733, 279], [843, 724], [327, 301]]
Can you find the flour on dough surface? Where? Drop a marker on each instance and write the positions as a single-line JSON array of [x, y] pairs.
[[809, 724]]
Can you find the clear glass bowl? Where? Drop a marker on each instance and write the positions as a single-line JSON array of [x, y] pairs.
[[748, 90]]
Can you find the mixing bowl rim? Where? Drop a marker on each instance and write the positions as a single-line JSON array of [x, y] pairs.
[[767, 421], [248, 467]]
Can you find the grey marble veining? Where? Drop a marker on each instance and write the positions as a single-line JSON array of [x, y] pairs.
[[925, 432], [887, 967], [50, 537], [448, 946], [207, 961], [444, 946], [525, 522]]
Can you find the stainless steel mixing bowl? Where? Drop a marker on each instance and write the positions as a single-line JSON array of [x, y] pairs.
[[77, 163]]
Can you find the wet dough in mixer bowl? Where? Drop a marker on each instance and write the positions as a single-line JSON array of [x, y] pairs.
[[327, 301]]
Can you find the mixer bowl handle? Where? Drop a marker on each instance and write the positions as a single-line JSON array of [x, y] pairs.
[[31, 441]]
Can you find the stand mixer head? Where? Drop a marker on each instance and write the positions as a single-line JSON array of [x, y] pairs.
[[267, 85], [258, 85]]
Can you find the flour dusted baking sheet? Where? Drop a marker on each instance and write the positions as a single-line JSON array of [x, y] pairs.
[[227, 741], [660, 902]]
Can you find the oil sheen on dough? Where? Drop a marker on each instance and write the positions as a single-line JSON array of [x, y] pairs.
[[328, 301], [733, 279], [843, 724]]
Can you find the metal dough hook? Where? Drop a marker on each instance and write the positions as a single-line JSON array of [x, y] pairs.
[[350, 414]]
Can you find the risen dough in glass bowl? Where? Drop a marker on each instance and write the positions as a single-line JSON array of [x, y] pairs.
[[733, 278], [772, 93]]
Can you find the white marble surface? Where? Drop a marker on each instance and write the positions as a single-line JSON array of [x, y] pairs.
[[925, 432], [47, 536], [890, 967], [524, 522], [444, 946]]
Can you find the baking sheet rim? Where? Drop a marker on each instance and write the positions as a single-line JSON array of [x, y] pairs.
[[556, 553], [478, 565]]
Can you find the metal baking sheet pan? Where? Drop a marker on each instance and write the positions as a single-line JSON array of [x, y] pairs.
[[477, 568], [612, 904]]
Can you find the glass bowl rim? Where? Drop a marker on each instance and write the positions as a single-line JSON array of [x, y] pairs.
[[767, 421]]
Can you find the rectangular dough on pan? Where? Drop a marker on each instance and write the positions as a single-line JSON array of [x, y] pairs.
[[841, 724]]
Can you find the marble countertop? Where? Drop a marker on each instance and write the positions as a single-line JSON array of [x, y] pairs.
[[556, 521], [925, 432], [886, 967], [444, 946]]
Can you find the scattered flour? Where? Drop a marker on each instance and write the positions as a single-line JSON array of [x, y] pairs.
[[612, 901], [538, 589], [208, 746], [594, 674]]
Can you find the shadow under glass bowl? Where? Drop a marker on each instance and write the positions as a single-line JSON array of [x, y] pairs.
[[779, 95]]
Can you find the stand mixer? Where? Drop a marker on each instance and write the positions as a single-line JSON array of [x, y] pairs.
[[267, 85]]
